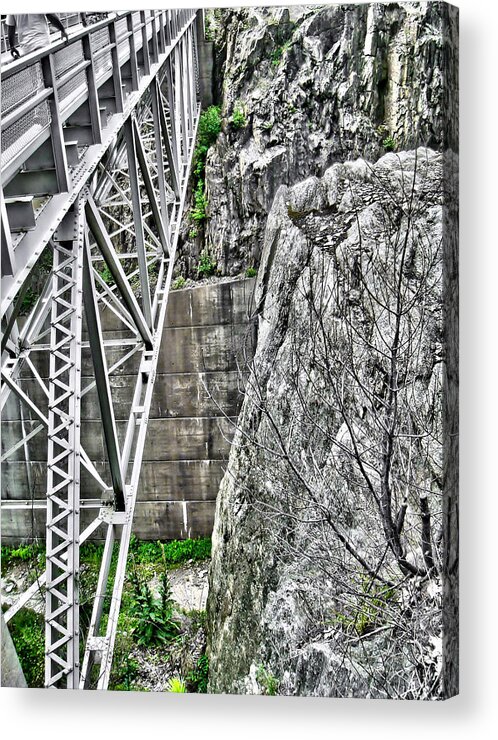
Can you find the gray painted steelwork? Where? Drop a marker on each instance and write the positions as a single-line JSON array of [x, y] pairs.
[[99, 145]]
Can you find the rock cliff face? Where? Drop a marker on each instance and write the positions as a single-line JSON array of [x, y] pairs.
[[350, 299], [317, 85], [335, 535]]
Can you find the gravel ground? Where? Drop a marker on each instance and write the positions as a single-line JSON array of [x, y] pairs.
[[16, 581], [189, 586]]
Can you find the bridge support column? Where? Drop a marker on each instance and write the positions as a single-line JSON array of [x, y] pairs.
[[113, 229], [63, 463]]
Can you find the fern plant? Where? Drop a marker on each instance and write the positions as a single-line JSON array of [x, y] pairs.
[[176, 686]]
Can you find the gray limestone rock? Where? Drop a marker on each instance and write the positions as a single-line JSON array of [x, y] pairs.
[[319, 85], [350, 298]]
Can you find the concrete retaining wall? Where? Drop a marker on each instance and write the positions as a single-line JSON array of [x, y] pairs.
[[197, 396], [205, 51]]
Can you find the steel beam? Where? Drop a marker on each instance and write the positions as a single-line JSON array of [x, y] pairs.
[[137, 220], [105, 245], [145, 44], [8, 257], [161, 180], [58, 146], [101, 180], [170, 146], [93, 96], [63, 464], [133, 54], [102, 378], [42, 578], [149, 187]]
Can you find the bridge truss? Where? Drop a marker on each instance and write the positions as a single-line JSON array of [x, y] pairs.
[[97, 142]]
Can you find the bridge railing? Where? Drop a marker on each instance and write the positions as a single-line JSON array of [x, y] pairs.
[[42, 89], [56, 103]]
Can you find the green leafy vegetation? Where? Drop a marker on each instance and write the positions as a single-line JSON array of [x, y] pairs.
[[278, 52], [178, 283], [192, 233], [27, 629], [176, 686], [29, 300], [198, 617], [207, 133], [209, 126], [24, 553], [251, 272], [106, 275], [153, 615], [369, 610], [213, 21], [267, 681], [173, 553], [208, 28], [283, 41], [198, 678], [198, 212], [238, 118], [124, 679], [147, 617], [38, 277], [206, 266], [276, 56], [389, 144]]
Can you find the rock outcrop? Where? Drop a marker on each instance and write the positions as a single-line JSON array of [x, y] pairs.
[[308, 584], [335, 549], [317, 85]]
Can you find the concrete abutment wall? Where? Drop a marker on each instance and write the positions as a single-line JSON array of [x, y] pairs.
[[197, 396]]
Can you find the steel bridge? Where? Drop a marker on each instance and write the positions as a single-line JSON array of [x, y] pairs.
[[97, 143]]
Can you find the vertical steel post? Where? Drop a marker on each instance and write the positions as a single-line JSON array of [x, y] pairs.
[[57, 138], [63, 464], [155, 44], [167, 28], [93, 98], [161, 23], [116, 69], [145, 43], [133, 53]]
